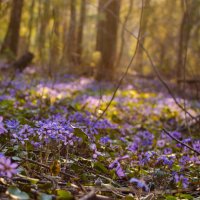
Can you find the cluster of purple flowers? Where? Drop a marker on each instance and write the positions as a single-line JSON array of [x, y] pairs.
[[148, 151], [181, 179], [56, 128], [142, 140]]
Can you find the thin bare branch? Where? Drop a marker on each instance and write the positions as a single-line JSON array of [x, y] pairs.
[[177, 140]]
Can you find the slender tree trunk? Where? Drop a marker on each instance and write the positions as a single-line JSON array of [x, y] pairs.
[[54, 42], [107, 28], [123, 33], [184, 37], [71, 44], [139, 59], [43, 19], [12, 36], [100, 26], [30, 25], [80, 31], [64, 37]]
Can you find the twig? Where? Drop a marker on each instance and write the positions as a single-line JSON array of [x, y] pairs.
[[177, 140], [93, 196]]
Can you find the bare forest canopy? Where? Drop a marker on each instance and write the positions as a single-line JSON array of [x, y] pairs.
[[99, 38]]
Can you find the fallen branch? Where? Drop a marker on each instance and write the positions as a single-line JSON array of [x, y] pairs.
[[93, 196]]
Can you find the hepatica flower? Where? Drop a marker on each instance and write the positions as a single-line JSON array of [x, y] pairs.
[[12, 124], [182, 180], [165, 160], [96, 153], [161, 143], [139, 184], [7, 168], [196, 145], [117, 166], [167, 151], [176, 134], [184, 160], [118, 169], [146, 157], [2, 129], [105, 140]]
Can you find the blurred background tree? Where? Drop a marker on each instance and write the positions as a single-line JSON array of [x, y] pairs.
[[89, 36]]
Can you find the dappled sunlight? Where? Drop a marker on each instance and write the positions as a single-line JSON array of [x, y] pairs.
[[99, 100]]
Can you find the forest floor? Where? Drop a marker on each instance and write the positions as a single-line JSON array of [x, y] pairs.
[[53, 144]]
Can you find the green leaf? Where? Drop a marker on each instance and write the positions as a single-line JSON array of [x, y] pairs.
[[32, 180], [64, 195], [185, 196], [129, 197], [99, 166], [170, 197], [43, 196], [16, 193], [176, 167], [79, 133]]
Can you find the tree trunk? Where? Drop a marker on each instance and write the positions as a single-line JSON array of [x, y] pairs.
[[106, 43], [139, 58], [54, 42], [80, 31], [30, 25], [184, 37], [11, 40], [43, 20], [121, 50], [71, 44]]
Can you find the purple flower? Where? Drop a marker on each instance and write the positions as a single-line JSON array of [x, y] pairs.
[[116, 164], [161, 143], [140, 184], [196, 145], [113, 164], [165, 160], [146, 138], [2, 129], [146, 157], [105, 140], [187, 140], [184, 160], [119, 171], [167, 151], [181, 179], [7, 168], [12, 124], [176, 134], [195, 159], [133, 147], [94, 149]]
